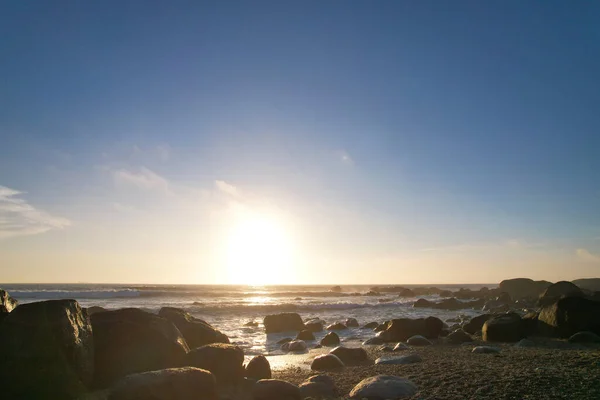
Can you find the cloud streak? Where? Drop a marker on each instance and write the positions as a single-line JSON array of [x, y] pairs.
[[585, 255], [19, 218], [227, 188], [142, 179], [344, 157]]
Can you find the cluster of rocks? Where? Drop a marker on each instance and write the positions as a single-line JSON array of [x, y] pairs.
[[56, 349]]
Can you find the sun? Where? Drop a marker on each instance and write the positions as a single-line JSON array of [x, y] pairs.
[[259, 252]]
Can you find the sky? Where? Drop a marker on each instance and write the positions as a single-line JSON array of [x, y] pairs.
[[299, 142]]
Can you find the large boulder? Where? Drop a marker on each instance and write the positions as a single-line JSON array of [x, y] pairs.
[[129, 340], [350, 355], [476, 323], [418, 340], [316, 390], [225, 361], [558, 290], [352, 323], [523, 288], [530, 323], [331, 339], [274, 389], [283, 322], [338, 326], [314, 326], [401, 329], [326, 362], [318, 387], [503, 328], [384, 387], [195, 331], [305, 335], [258, 368], [295, 346], [46, 351], [370, 325], [423, 303], [568, 316], [167, 384]]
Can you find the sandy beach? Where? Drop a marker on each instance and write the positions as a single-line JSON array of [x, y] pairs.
[[554, 369]]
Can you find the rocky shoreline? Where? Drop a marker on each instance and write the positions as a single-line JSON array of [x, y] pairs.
[[529, 333]]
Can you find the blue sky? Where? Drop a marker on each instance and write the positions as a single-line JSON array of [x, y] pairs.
[[390, 141]]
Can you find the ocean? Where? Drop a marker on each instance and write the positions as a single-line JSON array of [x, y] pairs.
[[229, 307]]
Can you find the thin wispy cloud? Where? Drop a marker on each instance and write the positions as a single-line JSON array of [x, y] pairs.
[[344, 157], [585, 255], [142, 178], [19, 218], [227, 188], [164, 152], [513, 244], [123, 208]]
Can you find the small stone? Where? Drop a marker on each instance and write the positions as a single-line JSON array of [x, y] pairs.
[[525, 343], [258, 368], [409, 359], [326, 362], [418, 340], [374, 340], [486, 350], [584, 337], [331, 339], [401, 347], [352, 323], [384, 387], [275, 389], [305, 335]]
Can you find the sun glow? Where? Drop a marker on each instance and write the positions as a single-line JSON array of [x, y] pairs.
[[259, 252]]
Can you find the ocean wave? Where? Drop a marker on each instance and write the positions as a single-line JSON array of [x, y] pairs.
[[157, 293], [288, 307], [72, 294]]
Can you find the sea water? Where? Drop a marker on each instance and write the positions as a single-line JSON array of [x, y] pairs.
[[228, 308]]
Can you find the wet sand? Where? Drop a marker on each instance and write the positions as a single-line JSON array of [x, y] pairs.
[[553, 369]]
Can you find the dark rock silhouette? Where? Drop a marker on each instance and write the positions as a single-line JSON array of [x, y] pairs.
[[225, 361], [166, 384], [258, 368], [568, 316], [283, 322], [401, 329], [350, 355], [331, 339], [196, 332], [130, 340], [558, 290], [46, 351], [338, 326], [476, 323], [523, 288], [503, 328], [305, 335], [274, 389], [326, 362]]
